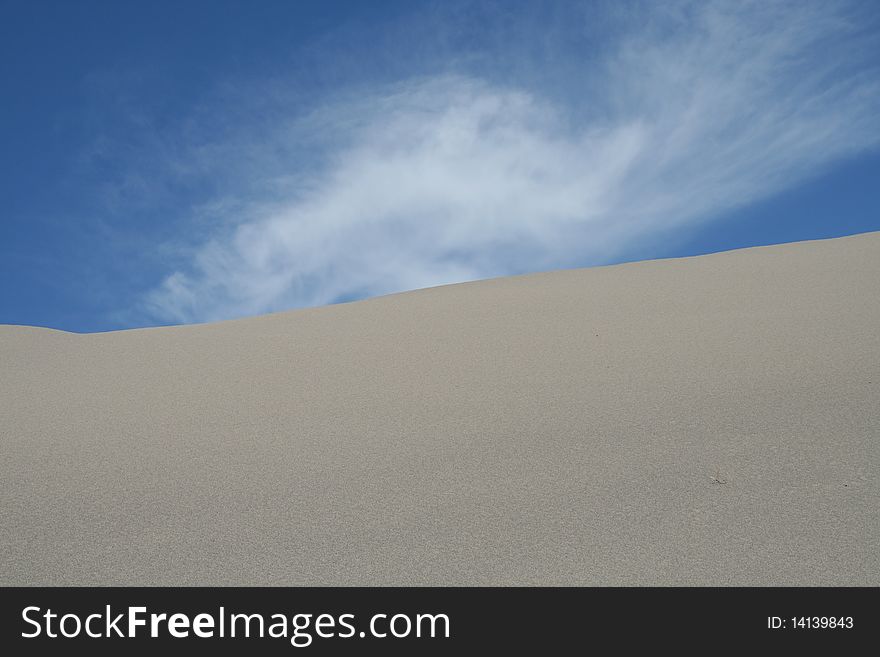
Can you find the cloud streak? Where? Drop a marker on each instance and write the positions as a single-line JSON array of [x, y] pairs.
[[689, 113]]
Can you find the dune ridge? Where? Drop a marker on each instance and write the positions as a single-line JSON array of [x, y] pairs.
[[710, 421]]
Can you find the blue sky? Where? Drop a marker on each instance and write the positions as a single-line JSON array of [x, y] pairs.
[[174, 162]]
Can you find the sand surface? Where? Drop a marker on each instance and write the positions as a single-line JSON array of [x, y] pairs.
[[710, 421]]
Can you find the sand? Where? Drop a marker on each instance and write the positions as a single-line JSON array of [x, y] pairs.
[[701, 421]]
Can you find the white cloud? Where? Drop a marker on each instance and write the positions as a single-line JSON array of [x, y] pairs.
[[449, 178]]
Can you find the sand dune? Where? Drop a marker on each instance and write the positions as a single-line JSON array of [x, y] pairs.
[[710, 420]]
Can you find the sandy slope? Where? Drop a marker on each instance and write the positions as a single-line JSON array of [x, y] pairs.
[[559, 428]]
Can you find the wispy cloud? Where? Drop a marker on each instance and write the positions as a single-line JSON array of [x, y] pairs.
[[690, 112]]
